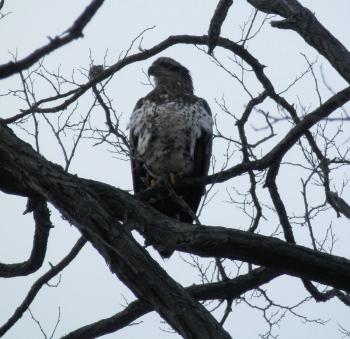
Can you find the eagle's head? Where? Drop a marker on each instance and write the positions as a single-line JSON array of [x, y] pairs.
[[167, 71]]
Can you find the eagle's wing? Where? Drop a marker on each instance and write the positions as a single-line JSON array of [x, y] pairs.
[[203, 142], [201, 155], [137, 166]]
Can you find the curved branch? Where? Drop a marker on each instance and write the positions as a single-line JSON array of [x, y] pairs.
[[246, 157], [72, 33], [304, 22], [43, 226], [39, 284]]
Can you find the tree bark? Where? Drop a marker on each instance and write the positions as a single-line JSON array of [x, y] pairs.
[[126, 258]]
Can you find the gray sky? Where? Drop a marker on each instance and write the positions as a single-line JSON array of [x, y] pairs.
[[88, 291]]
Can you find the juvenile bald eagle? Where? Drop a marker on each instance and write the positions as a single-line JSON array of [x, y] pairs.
[[171, 138]]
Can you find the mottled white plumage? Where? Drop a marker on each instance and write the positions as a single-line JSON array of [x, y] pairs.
[[167, 134]]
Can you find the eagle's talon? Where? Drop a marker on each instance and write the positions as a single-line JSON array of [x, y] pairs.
[[172, 178], [153, 183]]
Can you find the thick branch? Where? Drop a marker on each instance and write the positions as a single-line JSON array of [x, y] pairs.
[[303, 21], [341, 205], [126, 258], [290, 259], [166, 233], [131, 313], [43, 225], [216, 22], [72, 33]]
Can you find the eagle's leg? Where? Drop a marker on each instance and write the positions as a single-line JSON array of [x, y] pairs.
[[153, 182], [152, 179], [159, 180], [172, 178]]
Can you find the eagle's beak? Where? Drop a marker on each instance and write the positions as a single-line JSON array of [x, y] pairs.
[[151, 71]]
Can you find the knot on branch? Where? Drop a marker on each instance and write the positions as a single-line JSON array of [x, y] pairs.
[[289, 23], [95, 71]]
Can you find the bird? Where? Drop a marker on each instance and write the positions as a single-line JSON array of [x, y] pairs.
[[170, 139]]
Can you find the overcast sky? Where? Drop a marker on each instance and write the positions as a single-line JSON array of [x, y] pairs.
[[88, 291]]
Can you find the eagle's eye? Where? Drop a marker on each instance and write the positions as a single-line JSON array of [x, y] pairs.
[[174, 68]]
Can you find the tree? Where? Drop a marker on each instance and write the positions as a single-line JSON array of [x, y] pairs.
[[267, 148]]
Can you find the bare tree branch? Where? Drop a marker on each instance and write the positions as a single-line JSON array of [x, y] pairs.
[[131, 313], [304, 22], [72, 33], [43, 226], [39, 284], [342, 206], [106, 215]]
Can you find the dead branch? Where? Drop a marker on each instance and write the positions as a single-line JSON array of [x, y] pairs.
[[72, 33]]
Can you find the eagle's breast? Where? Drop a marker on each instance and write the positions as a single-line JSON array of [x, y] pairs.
[[167, 133]]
